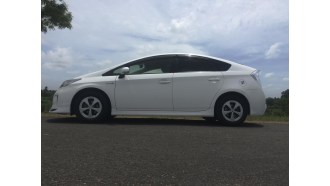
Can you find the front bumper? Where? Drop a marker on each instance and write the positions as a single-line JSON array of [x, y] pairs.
[[62, 101]]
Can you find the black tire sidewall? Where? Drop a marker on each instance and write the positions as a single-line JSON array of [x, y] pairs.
[[222, 119], [105, 112]]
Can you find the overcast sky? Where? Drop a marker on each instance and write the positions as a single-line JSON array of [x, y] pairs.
[[105, 33]]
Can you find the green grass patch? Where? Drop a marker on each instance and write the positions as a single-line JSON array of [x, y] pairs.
[[46, 104]]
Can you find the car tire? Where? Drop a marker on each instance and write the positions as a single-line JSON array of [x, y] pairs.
[[92, 106], [231, 110]]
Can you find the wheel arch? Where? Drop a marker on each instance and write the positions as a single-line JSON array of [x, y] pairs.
[[73, 101], [233, 93]]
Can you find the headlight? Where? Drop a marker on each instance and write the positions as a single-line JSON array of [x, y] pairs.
[[68, 82]]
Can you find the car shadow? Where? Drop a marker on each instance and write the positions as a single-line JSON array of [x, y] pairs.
[[151, 121]]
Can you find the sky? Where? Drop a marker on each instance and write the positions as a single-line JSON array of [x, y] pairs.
[[105, 33]]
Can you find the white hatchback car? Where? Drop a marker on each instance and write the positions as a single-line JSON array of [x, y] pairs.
[[169, 84]]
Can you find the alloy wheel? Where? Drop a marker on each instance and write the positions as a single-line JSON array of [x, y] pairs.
[[90, 107], [232, 110]]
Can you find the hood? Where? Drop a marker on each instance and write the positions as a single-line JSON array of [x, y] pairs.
[[99, 73], [93, 74]]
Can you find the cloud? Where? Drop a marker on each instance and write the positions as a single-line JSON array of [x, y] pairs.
[[59, 58], [106, 33], [158, 48], [73, 72], [273, 51], [180, 24], [285, 79], [269, 75], [218, 24], [104, 64]]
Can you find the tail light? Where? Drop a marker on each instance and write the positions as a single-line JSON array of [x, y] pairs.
[[255, 76]]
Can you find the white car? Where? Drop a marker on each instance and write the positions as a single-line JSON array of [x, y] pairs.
[[168, 84]]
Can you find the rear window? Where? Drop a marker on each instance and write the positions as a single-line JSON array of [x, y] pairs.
[[197, 63]]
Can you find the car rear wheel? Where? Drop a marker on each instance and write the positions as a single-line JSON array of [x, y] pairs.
[[92, 106], [231, 110]]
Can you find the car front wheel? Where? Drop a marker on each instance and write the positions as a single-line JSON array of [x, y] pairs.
[[231, 110], [92, 106]]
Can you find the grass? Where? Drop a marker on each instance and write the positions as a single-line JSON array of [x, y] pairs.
[[46, 103]]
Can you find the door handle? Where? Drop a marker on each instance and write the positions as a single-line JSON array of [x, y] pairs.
[[164, 81], [214, 79]]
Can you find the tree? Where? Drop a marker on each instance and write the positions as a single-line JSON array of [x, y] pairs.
[[44, 92], [278, 106], [285, 94], [55, 13], [46, 89], [270, 101]]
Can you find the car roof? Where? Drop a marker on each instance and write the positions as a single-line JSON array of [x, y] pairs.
[[178, 54]]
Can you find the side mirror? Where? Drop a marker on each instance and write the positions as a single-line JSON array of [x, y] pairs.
[[123, 72]]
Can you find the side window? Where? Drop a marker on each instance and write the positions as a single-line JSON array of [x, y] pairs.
[[196, 63], [133, 69], [152, 65], [116, 71], [136, 68]]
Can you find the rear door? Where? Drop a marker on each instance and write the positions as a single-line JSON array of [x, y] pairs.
[[195, 82]]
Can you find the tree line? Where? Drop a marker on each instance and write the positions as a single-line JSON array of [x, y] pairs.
[[278, 106], [46, 99]]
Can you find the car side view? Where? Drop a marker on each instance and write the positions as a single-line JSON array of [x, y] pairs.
[[167, 84]]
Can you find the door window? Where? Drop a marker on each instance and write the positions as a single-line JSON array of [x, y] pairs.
[[196, 63], [146, 66]]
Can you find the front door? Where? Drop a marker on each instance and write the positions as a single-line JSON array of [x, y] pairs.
[[147, 86]]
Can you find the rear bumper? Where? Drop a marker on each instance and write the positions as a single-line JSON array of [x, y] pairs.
[[257, 100]]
